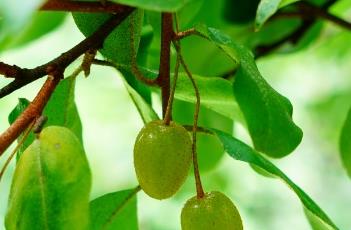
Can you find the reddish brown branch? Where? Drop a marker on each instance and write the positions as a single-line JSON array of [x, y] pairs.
[[164, 70], [33, 110], [83, 6], [95, 41]]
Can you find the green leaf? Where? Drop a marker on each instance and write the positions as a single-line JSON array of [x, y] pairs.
[[216, 94], [209, 148], [266, 8], [315, 223], [118, 45], [145, 110], [156, 5], [51, 184], [40, 24], [61, 109], [242, 152], [268, 114], [116, 210], [345, 144], [20, 107]]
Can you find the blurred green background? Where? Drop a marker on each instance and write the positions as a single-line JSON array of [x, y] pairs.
[[317, 80]]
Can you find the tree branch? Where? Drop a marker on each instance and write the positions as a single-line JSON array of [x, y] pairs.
[[9, 70], [95, 41], [32, 111], [82, 6], [164, 70], [310, 11], [309, 18]]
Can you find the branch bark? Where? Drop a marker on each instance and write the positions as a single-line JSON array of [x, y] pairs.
[[33, 110], [164, 70], [95, 41], [55, 69]]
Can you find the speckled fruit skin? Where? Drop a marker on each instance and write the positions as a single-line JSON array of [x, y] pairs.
[[214, 211], [162, 158]]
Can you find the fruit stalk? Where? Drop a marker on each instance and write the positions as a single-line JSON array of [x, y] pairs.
[[168, 115], [199, 189]]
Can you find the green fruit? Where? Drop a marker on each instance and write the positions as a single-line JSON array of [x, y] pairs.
[[162, 158], [51, 185], [214, 211]]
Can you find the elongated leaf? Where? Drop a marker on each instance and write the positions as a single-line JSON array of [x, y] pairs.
[[242, 152], [61, 109], [315, 223], [145, 110], [19, 108], [268, 114], [156, 5], [116, 210], [266, 8], [40, 24], [216, 94], [118, 45], [345, 144], [51, 185]]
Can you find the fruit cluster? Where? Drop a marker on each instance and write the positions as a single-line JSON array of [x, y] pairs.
[[162, 159]]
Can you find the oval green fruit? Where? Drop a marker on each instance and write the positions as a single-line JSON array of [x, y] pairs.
[[214, 211], [51, 185], [162, 158]]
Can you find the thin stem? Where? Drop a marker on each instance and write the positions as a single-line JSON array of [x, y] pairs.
[[199, 189], [122, 66], [104, 63], [308, 9], [198, 129], [186, 33], [25, 135], [167, 118]]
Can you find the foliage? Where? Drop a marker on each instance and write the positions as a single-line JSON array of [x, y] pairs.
[[215, 40]]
